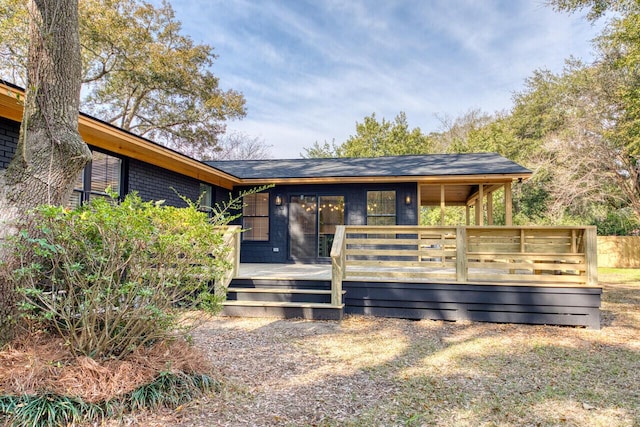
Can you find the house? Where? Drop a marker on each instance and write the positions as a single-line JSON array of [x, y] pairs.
[[296, 220], [358, 218]]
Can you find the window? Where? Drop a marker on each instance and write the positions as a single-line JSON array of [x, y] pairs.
[[255, 217], [103, 172], [381, 208], [206, 197], [78, 188]]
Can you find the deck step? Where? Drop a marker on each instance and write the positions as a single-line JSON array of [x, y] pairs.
[[282, 291], [281, 284], [283, 310], [282, 304]]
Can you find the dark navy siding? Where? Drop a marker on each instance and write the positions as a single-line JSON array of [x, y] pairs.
[[9, 131], [154, 183], [276, 250]]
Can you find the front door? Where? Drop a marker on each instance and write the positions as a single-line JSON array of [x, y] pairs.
[[330, 214], [302, 227], [312, 225]]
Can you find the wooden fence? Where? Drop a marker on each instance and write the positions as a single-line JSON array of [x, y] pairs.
[[619, 251], [496, 255]]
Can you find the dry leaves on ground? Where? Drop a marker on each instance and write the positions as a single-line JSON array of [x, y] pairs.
[[384, 372]]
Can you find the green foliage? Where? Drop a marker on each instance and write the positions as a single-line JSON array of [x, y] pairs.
[[453, 215], [140, 72], [109, 277], [596, 8], [620, 222], [49, 410], [376, 139], [170, 390], [318, 151]]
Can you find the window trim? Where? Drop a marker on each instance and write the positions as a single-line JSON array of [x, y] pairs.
[[394, 215], [86, 192], [267, 216]]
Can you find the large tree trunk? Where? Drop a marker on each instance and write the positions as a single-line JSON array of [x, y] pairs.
[[50, 152]]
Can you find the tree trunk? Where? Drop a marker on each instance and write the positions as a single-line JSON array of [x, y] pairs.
[[50, 152]]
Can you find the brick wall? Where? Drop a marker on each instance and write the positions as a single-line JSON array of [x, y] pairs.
[[154, 183], [151, 182], [9, 131]]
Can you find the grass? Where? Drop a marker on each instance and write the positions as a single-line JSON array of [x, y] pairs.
[[369, 371], [527, 375], [387, 372]]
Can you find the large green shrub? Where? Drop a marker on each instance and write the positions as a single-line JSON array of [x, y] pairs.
[[109, 277]]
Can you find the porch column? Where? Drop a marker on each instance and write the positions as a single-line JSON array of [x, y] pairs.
[[490, 208], [419, 203], [508, 204], [480, 206], [468, 215], [442, 205]]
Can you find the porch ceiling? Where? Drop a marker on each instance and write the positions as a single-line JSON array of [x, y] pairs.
[[457, 194], [454, 194]]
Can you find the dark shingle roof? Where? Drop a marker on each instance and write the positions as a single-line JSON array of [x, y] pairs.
[[410, 166]]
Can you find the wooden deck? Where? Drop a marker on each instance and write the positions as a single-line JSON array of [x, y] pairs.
[[538, 275]]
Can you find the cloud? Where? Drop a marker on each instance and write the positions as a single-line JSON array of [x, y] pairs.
[[309, 70]]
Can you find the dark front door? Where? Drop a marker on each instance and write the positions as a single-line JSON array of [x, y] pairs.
[[330, 214], [302, 227]]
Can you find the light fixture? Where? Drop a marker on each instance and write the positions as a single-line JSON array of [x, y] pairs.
[[407, 200], [278, 200]]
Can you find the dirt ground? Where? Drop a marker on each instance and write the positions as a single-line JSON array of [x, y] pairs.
[[389, 372]]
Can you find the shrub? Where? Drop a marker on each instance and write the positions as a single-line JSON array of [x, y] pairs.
[[109, 277], [48, 410]]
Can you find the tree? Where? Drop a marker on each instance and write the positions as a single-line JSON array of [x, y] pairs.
[[477, 131], [376, 139], [596, 8], [139, 72], [603, 105], [237, 146], [50, 152], [324, 151]]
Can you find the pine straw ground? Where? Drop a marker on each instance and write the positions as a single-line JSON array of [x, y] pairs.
[[40, 363], [385, 372]]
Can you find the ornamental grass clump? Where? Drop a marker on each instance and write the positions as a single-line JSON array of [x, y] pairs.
[[111, 277]]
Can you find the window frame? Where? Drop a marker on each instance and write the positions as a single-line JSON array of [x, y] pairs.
[[85, 192], [261, 214], [206, 197], [379, 215]]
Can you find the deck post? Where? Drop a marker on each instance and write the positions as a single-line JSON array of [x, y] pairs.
[[461, 254], [337, 265], [237, 244], [480, 205], [490, 208], [591, 255], [508, 204], [442, 205]]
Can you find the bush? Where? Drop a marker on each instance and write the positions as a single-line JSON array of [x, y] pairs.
[[109, 277]]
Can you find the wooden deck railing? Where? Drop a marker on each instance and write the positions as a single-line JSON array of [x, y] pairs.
[[231, 238], [501, 255]]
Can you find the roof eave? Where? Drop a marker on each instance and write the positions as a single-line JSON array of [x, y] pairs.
[[108, 137], [439, 179]]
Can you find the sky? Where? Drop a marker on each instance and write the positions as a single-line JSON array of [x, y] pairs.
[[310, 70]]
